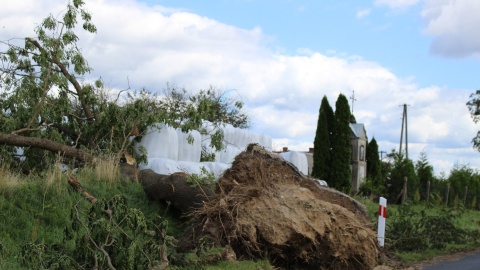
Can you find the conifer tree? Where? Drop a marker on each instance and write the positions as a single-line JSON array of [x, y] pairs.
[[340, 171], [425, 174], [373, 162], [330, 123], [321, 144]]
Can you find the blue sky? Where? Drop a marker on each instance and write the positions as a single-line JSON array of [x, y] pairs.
[[281, 57], [392, 37]]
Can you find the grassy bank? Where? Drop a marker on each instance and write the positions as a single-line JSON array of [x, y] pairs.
[[46, 224]]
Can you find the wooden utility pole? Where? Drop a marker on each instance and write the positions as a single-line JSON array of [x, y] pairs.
[[404, 190], [404, 124], [446, 194], [381, 154], [428, 192]]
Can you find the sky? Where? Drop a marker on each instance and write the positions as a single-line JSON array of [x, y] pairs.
[[281, 57]]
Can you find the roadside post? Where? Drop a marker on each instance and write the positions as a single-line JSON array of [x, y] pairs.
[[382, 215]]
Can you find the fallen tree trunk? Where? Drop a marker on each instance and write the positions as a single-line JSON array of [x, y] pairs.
[[176, 188]]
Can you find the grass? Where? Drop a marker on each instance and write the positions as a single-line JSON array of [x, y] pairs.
[[35, 209], [469, 220]]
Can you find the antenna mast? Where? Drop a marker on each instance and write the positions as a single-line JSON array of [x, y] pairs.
[[353, 99]]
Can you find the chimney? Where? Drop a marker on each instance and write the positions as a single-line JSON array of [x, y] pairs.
[[310, 150], [285, 149]]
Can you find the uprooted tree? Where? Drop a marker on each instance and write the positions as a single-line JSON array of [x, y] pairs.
[[47, 101], [264, 208], [46, 105]]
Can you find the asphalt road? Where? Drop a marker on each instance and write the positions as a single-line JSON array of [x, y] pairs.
[[471, 262]]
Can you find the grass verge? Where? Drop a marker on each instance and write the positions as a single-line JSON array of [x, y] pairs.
[[466, 221]]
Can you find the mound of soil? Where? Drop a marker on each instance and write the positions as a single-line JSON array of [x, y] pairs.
[[265, 208]]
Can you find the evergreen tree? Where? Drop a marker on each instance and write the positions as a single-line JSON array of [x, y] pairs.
[[402, 167], [377, 172], [373, 162], [340, 171], [330, 123], [424, 173], [321, 144]]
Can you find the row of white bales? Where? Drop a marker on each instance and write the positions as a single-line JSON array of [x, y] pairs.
[[168, 149]]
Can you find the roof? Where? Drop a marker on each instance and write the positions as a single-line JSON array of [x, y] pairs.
[[357, 129]]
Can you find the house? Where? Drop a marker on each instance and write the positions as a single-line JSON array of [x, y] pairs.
[[358, 141]]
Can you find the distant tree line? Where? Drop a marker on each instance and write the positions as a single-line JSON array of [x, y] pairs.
[[386, 176]]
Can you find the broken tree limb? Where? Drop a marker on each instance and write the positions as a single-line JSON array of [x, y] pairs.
[[78, 187]]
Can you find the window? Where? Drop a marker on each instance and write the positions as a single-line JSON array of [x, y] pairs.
[[362, 153]]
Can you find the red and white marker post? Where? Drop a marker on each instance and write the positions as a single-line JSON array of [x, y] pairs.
[[382, 216]]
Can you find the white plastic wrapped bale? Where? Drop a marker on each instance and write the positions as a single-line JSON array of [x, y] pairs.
[[189, 151], [266, 141], [18, 153], [243, 138], [190, 167], [160, 143], [237, 137], [206, 145], [228, 154], [216, 168], [298, 159], [229, 134], [161, 165]]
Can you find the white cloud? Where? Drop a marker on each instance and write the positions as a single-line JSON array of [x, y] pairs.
[[396, 4], [454, 26], [363, 13]]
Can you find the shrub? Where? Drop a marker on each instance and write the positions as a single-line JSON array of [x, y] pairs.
[[417, 230]]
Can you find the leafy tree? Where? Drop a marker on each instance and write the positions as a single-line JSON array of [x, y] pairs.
[[218, 106], [321, 144], [45, 102], [340, 171], [401, 167], [473, 105], [462, 176], [425, 174]]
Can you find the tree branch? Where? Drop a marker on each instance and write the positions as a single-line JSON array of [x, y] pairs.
[[78, 187], [71, 78], [52, 146]]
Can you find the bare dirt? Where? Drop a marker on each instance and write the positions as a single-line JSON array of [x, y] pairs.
[[264, 208]]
